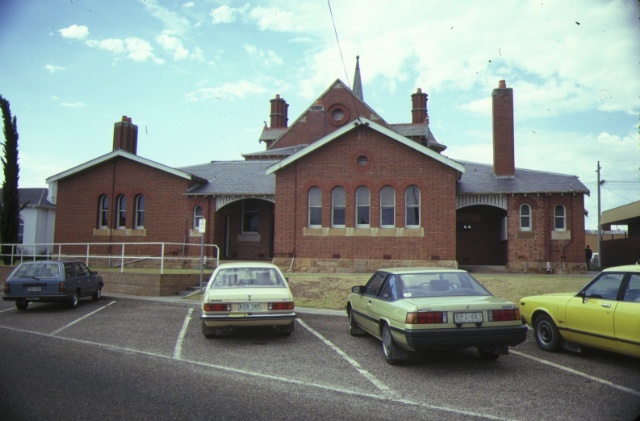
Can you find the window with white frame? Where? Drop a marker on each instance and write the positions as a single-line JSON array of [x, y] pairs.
[[363, 206], [197, 217], [103, 211], [338, 204], [250, 216], [387, 207], [121, 205], [560, 218], [20, 230], [412, 207], [315, 207], [139, 205], [525, 217]]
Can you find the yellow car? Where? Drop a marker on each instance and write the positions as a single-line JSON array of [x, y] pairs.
[[414, 309], [247, 294], [605, 314]]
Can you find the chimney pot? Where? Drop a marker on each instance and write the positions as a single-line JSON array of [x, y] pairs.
[[502, 84], [125, 135]]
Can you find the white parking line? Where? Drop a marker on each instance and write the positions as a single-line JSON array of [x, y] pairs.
[[177, 351], [578, 373], [384, 398], [55, 332], [377, 383], [7, 309]]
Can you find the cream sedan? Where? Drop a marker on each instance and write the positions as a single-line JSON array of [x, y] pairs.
[[247, 294]]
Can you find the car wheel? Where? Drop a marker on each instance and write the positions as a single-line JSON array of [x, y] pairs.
[[390, 349], [546, 333], [73, 303], [22, 304], [208, 332], [98, 294], [354, 329], [488, 354]]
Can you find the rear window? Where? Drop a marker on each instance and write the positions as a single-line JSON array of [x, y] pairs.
[[37, 270], [443, 284], [248, 277]]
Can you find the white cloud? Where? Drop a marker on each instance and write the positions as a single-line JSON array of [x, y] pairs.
[[140, 50], [172, 45], [265, 57], [113, 45], [53, 69], [79, 32], [173, 21], [228, 91], [73, 104], [224, 14]]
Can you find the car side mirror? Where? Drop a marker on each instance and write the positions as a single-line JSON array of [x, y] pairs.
[[583, 295], [358, 289], [93, 272]]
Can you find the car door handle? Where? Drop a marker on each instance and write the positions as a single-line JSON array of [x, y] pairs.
[[606, 305], [369, 303]]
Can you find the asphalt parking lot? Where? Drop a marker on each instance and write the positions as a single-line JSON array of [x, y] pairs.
[[320, 355]]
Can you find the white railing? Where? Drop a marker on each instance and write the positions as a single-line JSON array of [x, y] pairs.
[[117, 254]]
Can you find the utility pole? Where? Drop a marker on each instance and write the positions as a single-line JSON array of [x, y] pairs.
[[599, 215]]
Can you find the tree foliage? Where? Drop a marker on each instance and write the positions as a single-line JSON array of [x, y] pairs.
[[10, 211]]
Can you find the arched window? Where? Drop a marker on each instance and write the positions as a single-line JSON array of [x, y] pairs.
[[315, 207], [103, 211], [560, 218], [387, 207], [250, 216], [525, 217], [121, 205], [412, 207], [197, 217], [139, 204], [363, 205], [338, 203]]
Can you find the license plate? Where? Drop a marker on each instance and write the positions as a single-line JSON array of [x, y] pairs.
[[248, 306], [34, 289], [475, 317]]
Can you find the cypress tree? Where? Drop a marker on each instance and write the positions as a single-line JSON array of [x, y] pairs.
[[10, 211]]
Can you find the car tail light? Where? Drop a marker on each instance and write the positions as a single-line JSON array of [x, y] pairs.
[[62, 287], [504, 315], [281, 306], [7, 288], [426, 317], [217, 307]]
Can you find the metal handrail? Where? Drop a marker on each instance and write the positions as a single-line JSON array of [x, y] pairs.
[[55, 250]]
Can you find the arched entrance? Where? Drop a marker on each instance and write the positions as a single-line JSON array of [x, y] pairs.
[[244, 228], [481, 232]]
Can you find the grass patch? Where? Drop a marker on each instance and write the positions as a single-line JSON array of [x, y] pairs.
[[330, 290]]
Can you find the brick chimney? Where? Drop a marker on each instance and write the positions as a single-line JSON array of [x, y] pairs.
[[279, 109], [503, 131], [419, 112], [125, 135]]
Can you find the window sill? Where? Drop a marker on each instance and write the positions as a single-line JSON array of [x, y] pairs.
[[561, 235]]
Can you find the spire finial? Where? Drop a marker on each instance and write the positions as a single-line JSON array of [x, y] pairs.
[[357, 81]]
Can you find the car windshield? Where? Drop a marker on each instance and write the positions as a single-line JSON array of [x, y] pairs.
[[440, 284], [247, 277], [37, 270]]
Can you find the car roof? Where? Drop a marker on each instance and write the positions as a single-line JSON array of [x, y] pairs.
[[50, 261], [239, 265], [625, 268], [402, 270]]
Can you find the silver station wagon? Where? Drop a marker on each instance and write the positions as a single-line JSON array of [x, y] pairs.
[[52, 281]]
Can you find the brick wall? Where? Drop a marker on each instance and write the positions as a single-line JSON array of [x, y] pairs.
[[336, 165], [168, 215]]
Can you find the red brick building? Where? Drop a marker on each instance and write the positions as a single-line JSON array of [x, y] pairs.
[[339, 189]]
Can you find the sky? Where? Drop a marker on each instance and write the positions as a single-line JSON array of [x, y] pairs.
[[197, 77]]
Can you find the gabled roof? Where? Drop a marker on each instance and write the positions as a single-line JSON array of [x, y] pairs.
[[276, 153], [33, 198], [268, 133], [374, 126], [233, 178], [123, 154], [480, 179]]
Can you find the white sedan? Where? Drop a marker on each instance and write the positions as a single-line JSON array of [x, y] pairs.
[[247, 294]]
